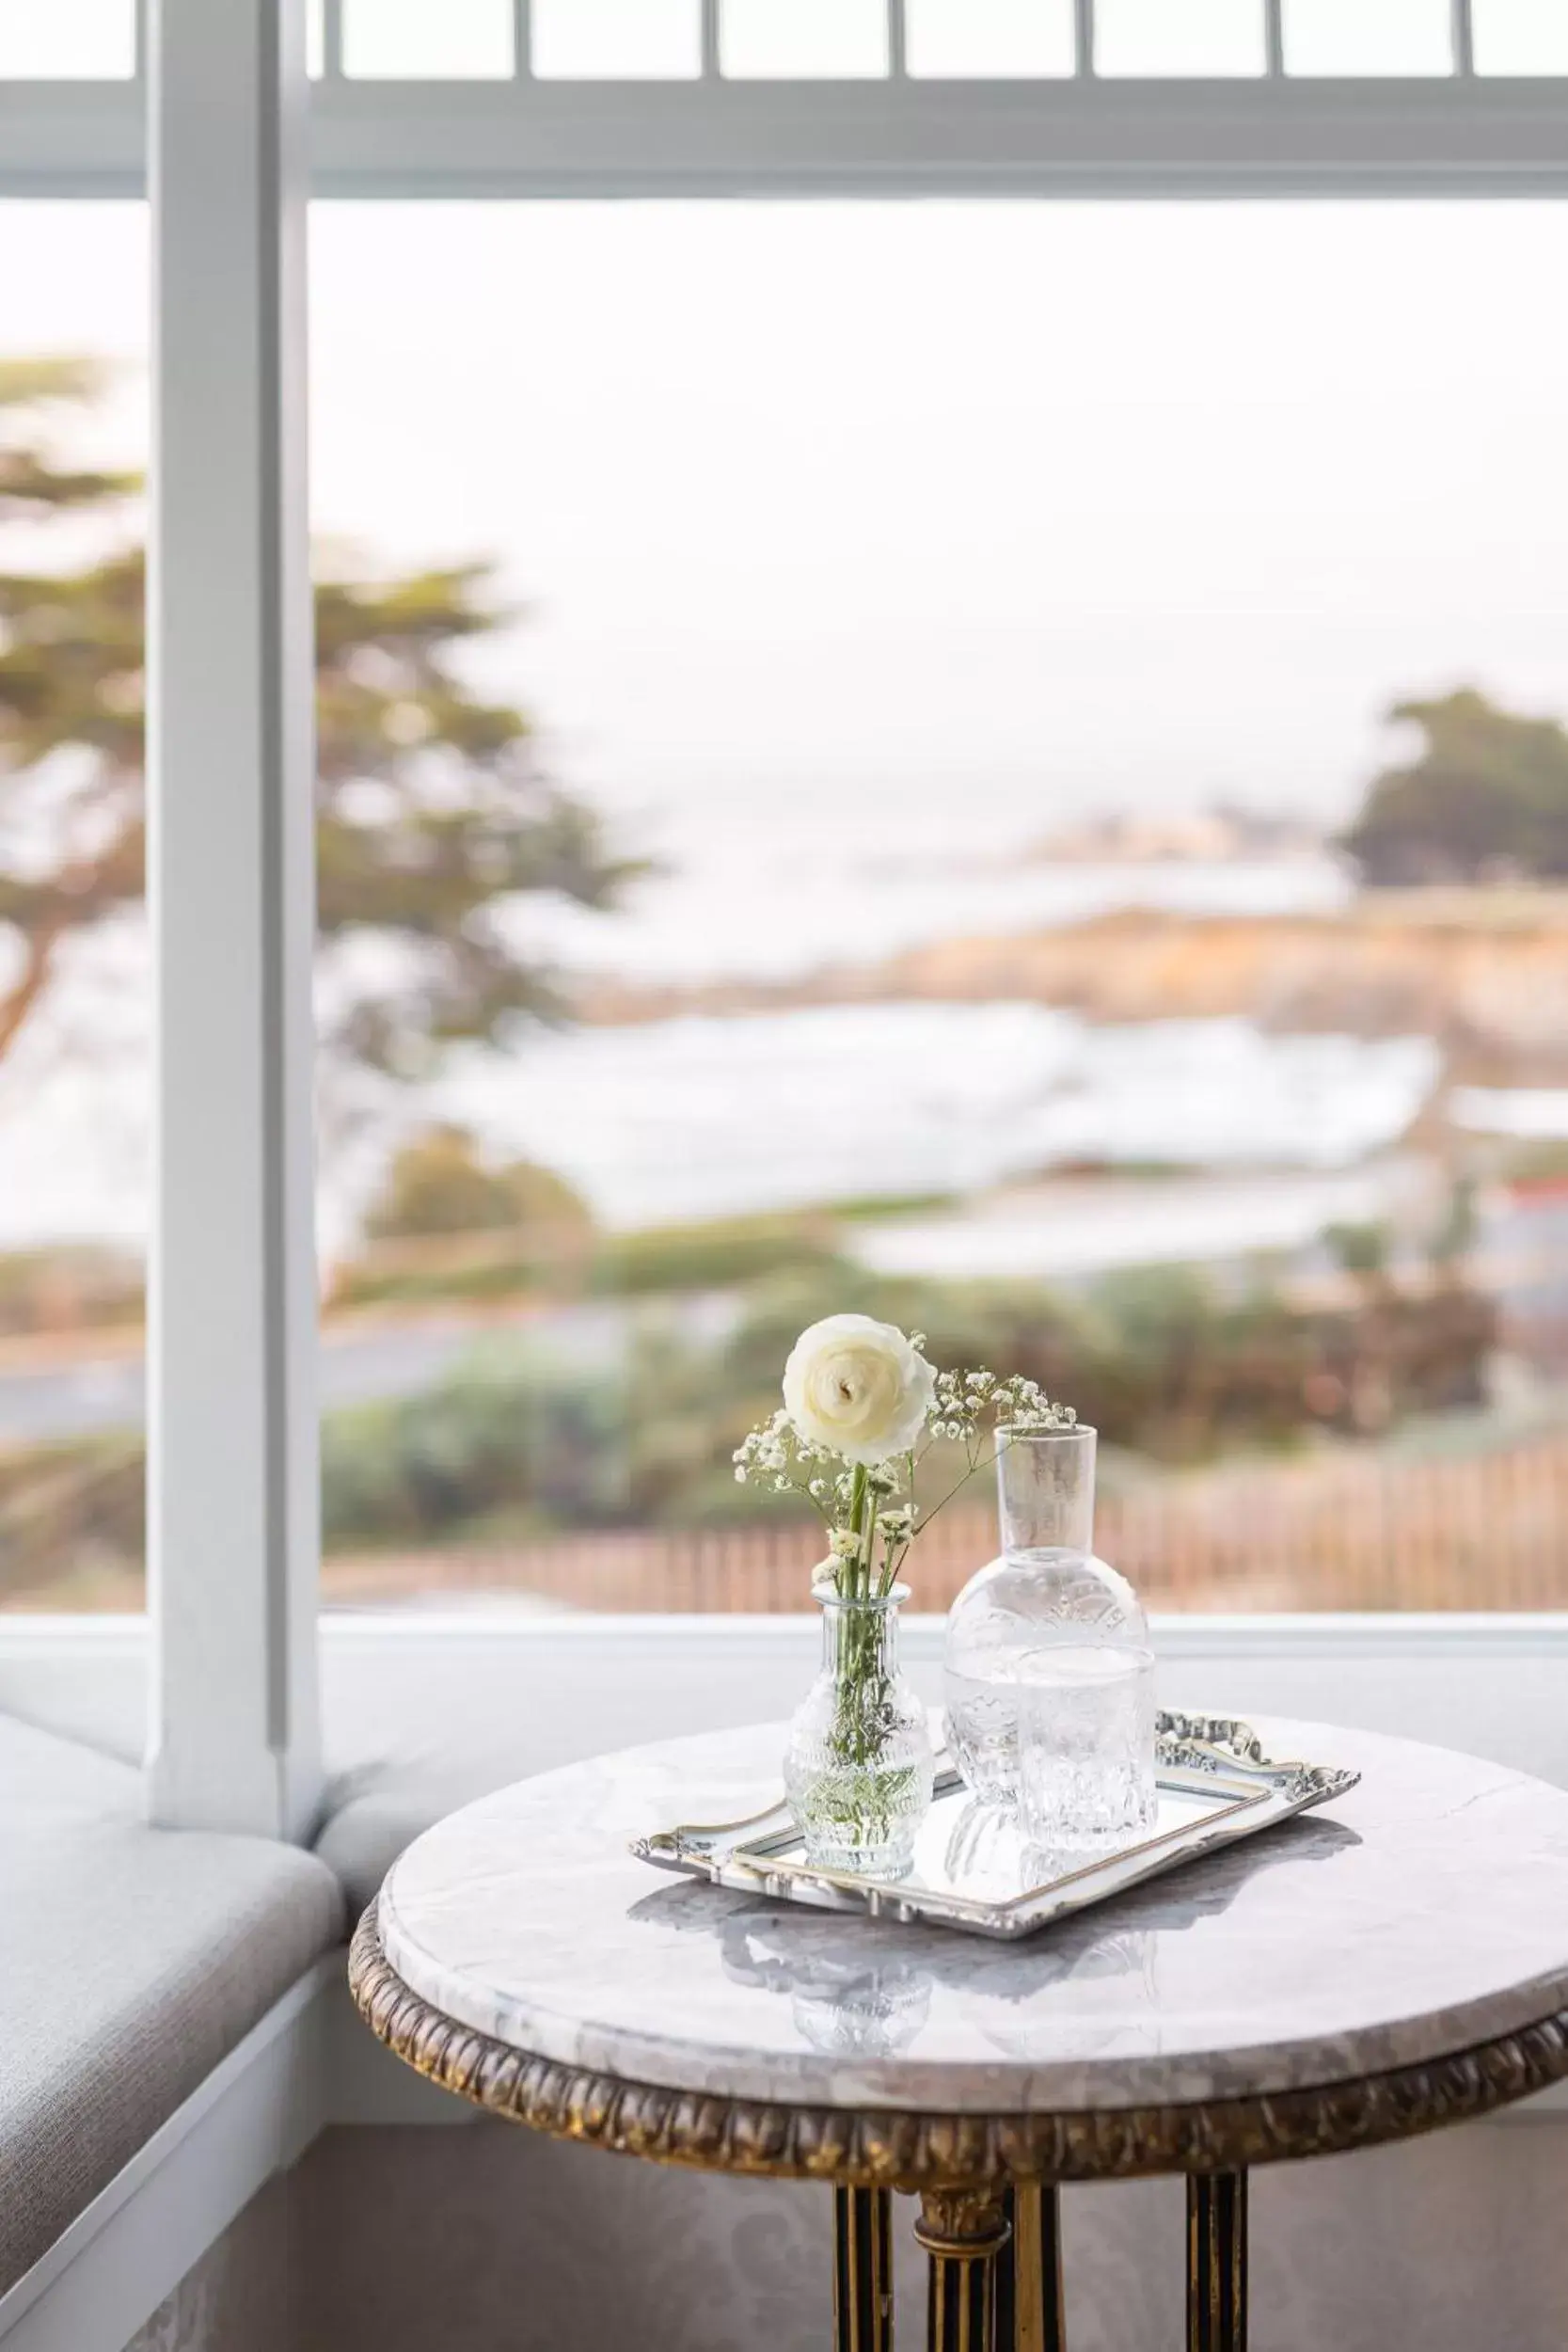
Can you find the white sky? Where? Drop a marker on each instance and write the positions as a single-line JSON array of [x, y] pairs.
[[942, 506]]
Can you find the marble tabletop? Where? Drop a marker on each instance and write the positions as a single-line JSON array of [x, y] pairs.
[[1423, 1913]]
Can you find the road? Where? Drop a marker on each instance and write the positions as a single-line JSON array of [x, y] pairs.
[[53, 1399]]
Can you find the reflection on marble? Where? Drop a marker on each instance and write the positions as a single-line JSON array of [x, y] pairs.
[[840, 2001], [1424, 1911]]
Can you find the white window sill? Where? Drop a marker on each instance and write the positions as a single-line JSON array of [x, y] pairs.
[[1494, 1684]]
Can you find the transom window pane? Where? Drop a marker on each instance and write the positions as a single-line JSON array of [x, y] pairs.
[[77, 41], [1326, 37], [955, 40], [459, 41], [639, 39], [1521, 36], [820, 40], [1162, 39]]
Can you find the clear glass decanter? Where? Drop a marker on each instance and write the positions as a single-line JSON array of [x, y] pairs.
[[1049, 1671], [858, 1766]]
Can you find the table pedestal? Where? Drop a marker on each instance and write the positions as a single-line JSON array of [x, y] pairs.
[[962, 2230], [1216, 2262], [862, 2270], [995, 2280]]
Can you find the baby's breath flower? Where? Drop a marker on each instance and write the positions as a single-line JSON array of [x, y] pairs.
[[870, 1507]]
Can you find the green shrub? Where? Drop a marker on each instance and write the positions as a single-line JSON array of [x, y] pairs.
[[714, 1256], [440, 1183], [66, 1503], [506, 1435]]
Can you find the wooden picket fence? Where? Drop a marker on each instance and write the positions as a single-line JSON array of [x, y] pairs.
[[1338, 1531]]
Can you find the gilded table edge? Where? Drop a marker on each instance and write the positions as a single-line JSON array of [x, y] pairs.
[[913, 2151]]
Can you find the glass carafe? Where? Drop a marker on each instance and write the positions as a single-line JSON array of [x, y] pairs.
[[1049, 1671]]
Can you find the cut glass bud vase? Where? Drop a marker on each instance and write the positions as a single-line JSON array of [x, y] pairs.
[[858, 1766], [1049, 1670]]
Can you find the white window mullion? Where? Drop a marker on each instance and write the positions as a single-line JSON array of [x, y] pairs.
[[1273, 39], [1084, 38], [332, 39], [233, 1500], [897, 41]]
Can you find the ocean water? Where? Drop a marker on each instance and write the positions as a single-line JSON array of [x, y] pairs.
[[777, 900], [709, 1115], [690, 1119]]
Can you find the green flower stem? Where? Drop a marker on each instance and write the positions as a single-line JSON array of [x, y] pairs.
[[862, 1686]]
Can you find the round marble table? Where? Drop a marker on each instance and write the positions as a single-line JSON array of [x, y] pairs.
[[1395, 1962]]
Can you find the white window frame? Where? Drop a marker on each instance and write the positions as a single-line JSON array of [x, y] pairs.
[[223, 155], [1460, 133]]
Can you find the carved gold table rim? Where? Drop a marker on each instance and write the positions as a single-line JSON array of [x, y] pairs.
[[988, 2184]]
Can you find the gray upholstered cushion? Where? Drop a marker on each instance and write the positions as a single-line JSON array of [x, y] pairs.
[[377, 1808], [426, 1734], [131, 1960]]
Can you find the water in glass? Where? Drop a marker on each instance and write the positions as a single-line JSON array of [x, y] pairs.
[[1085, 1741]]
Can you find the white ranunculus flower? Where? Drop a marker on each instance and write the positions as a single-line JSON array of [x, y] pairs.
[[857, 1388]]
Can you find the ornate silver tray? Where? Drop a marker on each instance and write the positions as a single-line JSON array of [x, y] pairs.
[[971, 1869]]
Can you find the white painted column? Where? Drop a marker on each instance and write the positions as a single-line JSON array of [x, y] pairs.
[[233, 1501]]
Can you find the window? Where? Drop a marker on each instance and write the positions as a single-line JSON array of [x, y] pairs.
[[742, 99], [988, 627], [73, 981]]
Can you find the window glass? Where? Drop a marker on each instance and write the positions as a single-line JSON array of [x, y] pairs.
[[594, 40], [1202, 37], [996, 765], [1523, 36], [955, 40], [68, 40], [73, 981], [1343, 37], [839, 39], [399, 40]]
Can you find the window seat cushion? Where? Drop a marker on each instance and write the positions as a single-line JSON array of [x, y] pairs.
[[428, 1734], [131, 1961], [376, 1810]]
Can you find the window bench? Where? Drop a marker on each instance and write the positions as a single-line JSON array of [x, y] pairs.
[[174, 2030], [132, 1960]]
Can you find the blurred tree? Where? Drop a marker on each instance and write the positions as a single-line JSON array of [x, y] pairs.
[[1361, 1249], [1488, 794], [433, 817], [440, 1183], [1460, 1226]]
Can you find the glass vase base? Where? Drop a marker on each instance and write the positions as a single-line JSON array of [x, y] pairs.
[[865, 1862], [858, 1766]]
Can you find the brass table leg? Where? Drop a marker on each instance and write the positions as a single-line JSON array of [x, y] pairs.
[[862, 2270], [1216, 2262], [1029, 2314], [962, 2230]]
